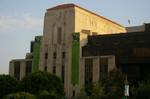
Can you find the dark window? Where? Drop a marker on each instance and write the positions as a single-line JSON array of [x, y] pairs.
[[45, 62], [46, 55], [28, 67], [63, 54], [31, 46], [45, 68], [63, 73], [73, 93], [59, 34], [88, 75], [54, 55], [142, 52], [17, 70], [103, 68], [54, 69]]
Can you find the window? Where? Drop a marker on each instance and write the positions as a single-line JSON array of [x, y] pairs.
[[63, 73], [88, 75], [54, 55], [46, 55], [142, 52], [103, 68], [59, 34], [63, 55], [17, 70], [73, 93], [54, 69], [28, 67], [45, 68]]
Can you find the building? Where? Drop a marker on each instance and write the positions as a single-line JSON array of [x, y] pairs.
[[35, 50], [94, 69], [140, 28], [131, 51], [66, 28], [59, 51], [19, 68]]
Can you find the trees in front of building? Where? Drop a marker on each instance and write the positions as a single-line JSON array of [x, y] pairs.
[[110, 88], [114, 85], [113, 88], [20, 95], [7, 85], [143, 91], [42, 84]]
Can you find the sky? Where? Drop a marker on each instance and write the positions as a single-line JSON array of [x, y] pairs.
[[22, 20]]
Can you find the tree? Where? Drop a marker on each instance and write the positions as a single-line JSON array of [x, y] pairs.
[[42, 81], [20, 95], [7, 85], [114, 85], [48, 95], [97, 91], [82, 95], [110, 88], [143, 91]]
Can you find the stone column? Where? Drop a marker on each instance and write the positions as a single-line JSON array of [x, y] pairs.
[[95, 69]]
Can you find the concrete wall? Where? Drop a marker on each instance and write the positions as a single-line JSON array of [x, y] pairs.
[[96, 65], [54, 19], [136, 28], [95, 23], [22, 67]]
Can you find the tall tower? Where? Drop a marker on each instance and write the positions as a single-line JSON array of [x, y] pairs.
[[66, 28]]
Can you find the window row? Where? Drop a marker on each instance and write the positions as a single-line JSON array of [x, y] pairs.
[[55, 55]]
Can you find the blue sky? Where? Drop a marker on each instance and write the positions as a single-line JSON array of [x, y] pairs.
[[21, 20]]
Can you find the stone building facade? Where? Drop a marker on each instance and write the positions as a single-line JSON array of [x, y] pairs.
[[19, 68], [59, 51], [66, 28]]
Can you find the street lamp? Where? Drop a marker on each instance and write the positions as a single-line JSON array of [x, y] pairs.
[[126, 88]]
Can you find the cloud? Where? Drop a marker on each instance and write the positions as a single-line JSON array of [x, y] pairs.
[[25, 21], [31, 22], [7, 22]]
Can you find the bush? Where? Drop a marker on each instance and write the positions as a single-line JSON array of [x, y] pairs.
[[114, 85], [7, 85], [143, 91], [42, 81], [20, 95], [48, 95]]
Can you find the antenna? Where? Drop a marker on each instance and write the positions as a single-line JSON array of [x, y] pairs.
[[129, 21]]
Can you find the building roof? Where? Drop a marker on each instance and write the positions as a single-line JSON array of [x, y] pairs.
[[63, 6]]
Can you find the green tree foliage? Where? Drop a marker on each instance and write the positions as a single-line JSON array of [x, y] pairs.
[[97, 91], [110, 88], [143, 91], [114, 85], [20, 95], [48, 95], [42, 81], [7, 85], [82, 95]]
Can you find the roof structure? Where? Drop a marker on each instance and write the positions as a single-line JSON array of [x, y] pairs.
[[70, 5]]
